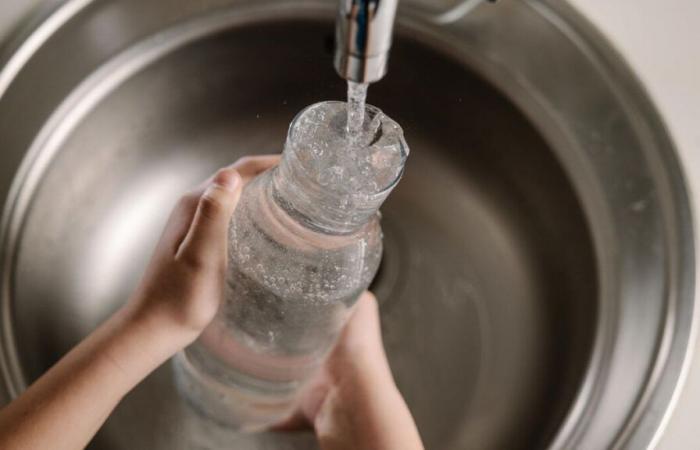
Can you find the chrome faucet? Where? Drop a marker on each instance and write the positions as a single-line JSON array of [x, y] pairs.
[[363, 38], [363, 31]]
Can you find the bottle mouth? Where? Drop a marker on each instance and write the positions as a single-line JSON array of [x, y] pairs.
[[366, 166], [334, 182]]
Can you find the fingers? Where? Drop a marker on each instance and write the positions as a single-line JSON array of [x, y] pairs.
[[178, 224], [251, 166], [248, 167], [205, 241], [183, 214], [360, 352], [363, 328]]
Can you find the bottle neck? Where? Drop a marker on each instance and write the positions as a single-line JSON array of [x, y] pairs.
[[317, 207]]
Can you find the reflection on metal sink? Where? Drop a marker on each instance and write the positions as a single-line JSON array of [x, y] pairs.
[[536, 284]]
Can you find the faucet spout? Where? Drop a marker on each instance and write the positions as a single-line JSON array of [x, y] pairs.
[[363, 39]]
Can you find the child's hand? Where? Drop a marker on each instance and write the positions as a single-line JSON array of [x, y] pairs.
[[177, 298], [183, 285], [354, 402]]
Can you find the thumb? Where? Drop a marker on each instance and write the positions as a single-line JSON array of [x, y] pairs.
[[205, 242]]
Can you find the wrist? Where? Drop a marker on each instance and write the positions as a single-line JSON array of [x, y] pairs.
[[160, 335], [129, 346]]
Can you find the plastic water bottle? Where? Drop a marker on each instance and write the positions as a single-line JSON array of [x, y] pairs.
[[305, 242]]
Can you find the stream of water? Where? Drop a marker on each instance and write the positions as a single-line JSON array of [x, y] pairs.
[[357, 95]]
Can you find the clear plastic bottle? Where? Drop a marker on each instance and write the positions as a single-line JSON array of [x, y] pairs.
[[305, 242]]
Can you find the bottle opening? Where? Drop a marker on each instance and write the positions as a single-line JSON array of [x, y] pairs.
[[333, 177], [361, 159]]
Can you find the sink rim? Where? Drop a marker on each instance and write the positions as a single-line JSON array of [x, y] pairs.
[[665, 381]]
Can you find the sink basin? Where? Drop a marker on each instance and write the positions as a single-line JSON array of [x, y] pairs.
[[536, 287]]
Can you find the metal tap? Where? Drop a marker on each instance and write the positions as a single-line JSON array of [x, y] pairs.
[[363, 38]]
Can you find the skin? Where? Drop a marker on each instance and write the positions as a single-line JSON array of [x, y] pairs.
[[353, 404]]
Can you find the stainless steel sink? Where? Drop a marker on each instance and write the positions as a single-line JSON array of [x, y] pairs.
[[536, 289]]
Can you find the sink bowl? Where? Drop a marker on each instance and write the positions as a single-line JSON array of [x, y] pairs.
[[536, 287]]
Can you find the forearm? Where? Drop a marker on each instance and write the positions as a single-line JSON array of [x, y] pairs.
[[68, 404]]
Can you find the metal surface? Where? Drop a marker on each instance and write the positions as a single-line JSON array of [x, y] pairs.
[[363, 38], [537, 283]]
